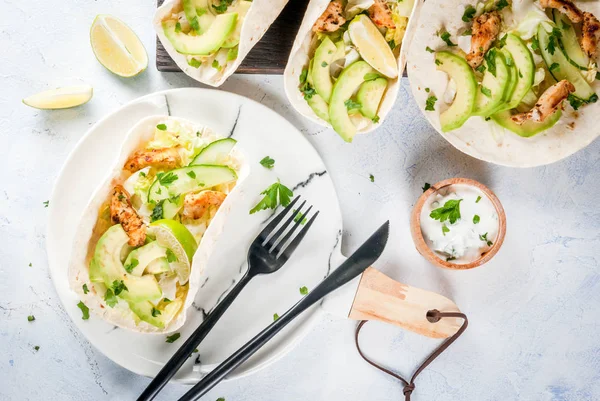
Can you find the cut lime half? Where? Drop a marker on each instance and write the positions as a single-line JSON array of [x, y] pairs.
[[372, 46]]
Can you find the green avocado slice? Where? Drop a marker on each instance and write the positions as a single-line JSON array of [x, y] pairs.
[[204, 44]]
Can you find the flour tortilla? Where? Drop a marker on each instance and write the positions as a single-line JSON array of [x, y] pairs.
[[478, 138], [300, 57], [120, 315], [259, 18]]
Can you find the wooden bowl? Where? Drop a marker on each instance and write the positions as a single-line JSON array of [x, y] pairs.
[[431, 256]]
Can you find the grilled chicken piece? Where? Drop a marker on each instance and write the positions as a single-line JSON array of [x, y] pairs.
[[591, 33], [331, 19], [167, 158], [381, 15], [485, 30], [547, 104], [566, 7], [121, 212], [196, 205]]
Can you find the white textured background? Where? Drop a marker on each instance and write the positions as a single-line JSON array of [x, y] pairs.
[[534, 332]]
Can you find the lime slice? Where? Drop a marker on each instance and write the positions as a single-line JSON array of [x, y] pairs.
[[117, 47], [61, 98], [175, 236], [372, 46]]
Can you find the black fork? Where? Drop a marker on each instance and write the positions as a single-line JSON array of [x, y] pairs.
[[267, 254]]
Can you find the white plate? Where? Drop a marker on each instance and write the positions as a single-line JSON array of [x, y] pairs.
[[260, 132], [478, 138]]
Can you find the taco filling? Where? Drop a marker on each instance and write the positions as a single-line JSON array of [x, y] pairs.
[[207, 32], [353, 57], [149, 227], [517, 64]]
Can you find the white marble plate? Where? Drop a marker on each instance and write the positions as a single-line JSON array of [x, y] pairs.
[[259, 132]]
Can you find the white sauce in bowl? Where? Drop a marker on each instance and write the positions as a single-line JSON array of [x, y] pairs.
[[459, 240]]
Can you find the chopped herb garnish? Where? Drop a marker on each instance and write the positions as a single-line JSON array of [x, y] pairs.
[[324, 64], [481, 68], [275, 317], [194, 63], [308, 90], [300, 218], [438, 62], [173, 337], [232, 53], [520, 75], [554, 66], [166, 300], [372, 177], [484, 238], [215, 64], [427, 90], [85, 289], [392, 44], [178, 27], [469, 13], [191, 174], [303, 290], [429, 49], [478, 199], [490, 58], [467, 32], [476, 219], [501, 4], [30, 318], [222, 6], [46, 203], [85, 311], [167, 179], [267, 162], [352, 105], [142, 174], [553, 38], [449, 258], [220, 399], [110, 298], [450, 211], [157, 212], [486, 91], [303, 75], [535, 45], [277, 194], [445, 36], [575, 102], [430, 103], [30, 265], [502, 41], [37, 348], [426, 186], [118, 286], [375, 119], [445, 229], [155, 312], [565, 25], [370, 76], [162, 127], [131, 265], [598, 76], [171, 256], [487, 118]]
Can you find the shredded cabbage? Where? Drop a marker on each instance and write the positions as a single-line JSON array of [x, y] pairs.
[[354, 7], [527, 28]]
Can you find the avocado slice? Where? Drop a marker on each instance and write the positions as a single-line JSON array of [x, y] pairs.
[[198, 15], [369, 95], [319, 106], [106, 265], [349, 80], [528, 128], [241, 9], [466, 89], [320, 73], [492, 94], [203, 44], [144, 311], [144, 256]]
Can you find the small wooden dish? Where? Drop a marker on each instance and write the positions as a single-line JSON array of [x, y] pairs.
[[431, 256]]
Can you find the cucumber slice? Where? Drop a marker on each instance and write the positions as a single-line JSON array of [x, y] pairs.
[[171, 207], [466, 89], [497, 85], [565, 69], [369, 95], [568, 42], [320, 73], [189, 179], [529, 128], [319, 106], [215, 152], [525, 68]]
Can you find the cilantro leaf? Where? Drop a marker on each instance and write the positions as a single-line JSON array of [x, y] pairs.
[[375, 119], [85, 289], [110, 298], [303, 75], [352, 105], [171, 256], [119, 286], [445, 229], [429, 49], [430, 103], [484, 238], [535, 45], [46, 203], [478, 199], [392, 44], [481, 68], [307, 90], [277, 194], [476, 219], [37, 348], [490, 58], [30, 318], [553, 38], [300, 217], [130, 266], [501, 4], [157, 212], [275, 317], [486, 91], [445, 36], [450, 211], [372, 177], [554, 66], [167, 179], [222, 6], [85, 311], [162, 127], [469, 13], [267, 162], [191, 174], [232, 53], [303, 290], [426, 186], [155, 312], [173, 337], [215, 64], [194, 63], [575, 102]]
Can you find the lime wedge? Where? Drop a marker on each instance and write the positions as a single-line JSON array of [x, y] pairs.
[[372, 46], [61, 98], [117, 47], [175, 236]]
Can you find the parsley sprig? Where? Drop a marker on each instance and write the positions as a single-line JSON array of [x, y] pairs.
[[449, 212]]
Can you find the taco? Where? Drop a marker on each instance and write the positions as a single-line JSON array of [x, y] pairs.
[[209, 39], [344, 68], [146, 235], [512, 82]]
